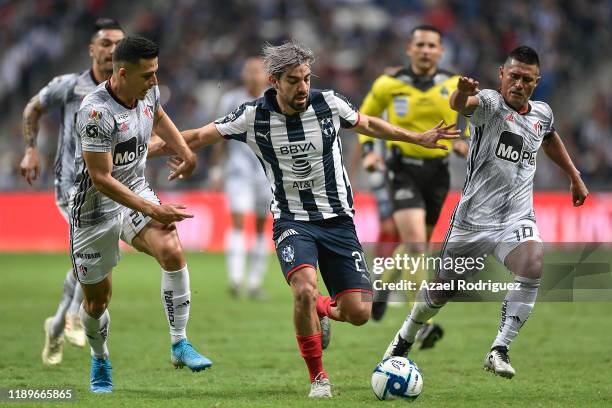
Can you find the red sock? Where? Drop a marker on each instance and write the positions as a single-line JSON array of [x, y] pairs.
[[310, 349], [323, 305]]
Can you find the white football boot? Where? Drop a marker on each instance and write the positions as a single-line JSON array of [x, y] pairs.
[[54, 347], [320, 387], [498, 362], [73, 331]]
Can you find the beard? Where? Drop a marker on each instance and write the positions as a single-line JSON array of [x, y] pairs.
[[299, 107]]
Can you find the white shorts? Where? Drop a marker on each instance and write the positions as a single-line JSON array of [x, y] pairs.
[[64, 209], [248, 194], [95, 249], [477, 245], [63, 204]]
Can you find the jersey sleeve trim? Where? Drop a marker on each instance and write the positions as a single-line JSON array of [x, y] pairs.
[[348, 125], [96, 149], [241, 137]]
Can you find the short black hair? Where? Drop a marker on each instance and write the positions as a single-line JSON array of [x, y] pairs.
[[104, 23], [426, 27], [133, 48], [524, 54]]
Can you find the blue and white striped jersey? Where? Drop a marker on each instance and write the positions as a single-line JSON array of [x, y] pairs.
[[66, 93], [301, 153], [241, 162]]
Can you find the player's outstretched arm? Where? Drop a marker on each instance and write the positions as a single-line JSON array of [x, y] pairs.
[[166, 130], [30, 164], [195, 139], [555, 149], [202, 137], [463, 99], [99, 167], [381, 129]]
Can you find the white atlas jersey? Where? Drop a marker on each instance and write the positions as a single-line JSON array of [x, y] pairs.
[[66, 93], [105, 125], [498, 189], [301, 153]]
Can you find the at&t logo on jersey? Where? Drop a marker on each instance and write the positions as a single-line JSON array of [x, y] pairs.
[[510, 148], [301, 168], [128, 151]]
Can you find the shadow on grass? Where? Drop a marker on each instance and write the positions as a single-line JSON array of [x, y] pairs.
[[245, 394]]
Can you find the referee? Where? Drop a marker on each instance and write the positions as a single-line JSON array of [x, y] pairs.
[[415, 98]]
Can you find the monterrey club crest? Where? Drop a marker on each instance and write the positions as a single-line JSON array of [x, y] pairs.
[[288, 254], [327, 127]]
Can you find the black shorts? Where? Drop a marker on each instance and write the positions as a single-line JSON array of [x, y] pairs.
[[332, 244], [418, 183]]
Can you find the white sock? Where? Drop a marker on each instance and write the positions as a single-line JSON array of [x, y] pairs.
[[77, 299], [516, 308], [259, 262], [176, 299], [422, 311], [236, 256], [57, 325], [96, 331]]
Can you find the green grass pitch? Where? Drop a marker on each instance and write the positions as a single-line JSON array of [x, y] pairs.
[[562, 355]]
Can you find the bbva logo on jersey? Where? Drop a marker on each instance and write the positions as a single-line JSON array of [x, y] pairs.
[[128, 151], [510, 148], [297, 148]]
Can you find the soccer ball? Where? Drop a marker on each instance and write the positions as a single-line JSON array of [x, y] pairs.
[[397, 378]]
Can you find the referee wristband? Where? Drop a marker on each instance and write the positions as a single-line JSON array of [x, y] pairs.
[[366, 148]]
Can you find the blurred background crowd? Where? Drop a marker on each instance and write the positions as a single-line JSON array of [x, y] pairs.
[[204, 43]]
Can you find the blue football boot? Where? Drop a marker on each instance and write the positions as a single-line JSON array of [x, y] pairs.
[[101, 379], [183, 354]]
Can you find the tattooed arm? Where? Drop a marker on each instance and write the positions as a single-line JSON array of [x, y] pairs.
[[30, 164]]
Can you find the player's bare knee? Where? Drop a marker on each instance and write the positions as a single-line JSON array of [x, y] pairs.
[[305, 290], [305, 295], [95, 307], [532, 268], [171, 256]]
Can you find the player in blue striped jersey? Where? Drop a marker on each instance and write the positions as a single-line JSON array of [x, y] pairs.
[[293, 131], [65, 93]]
